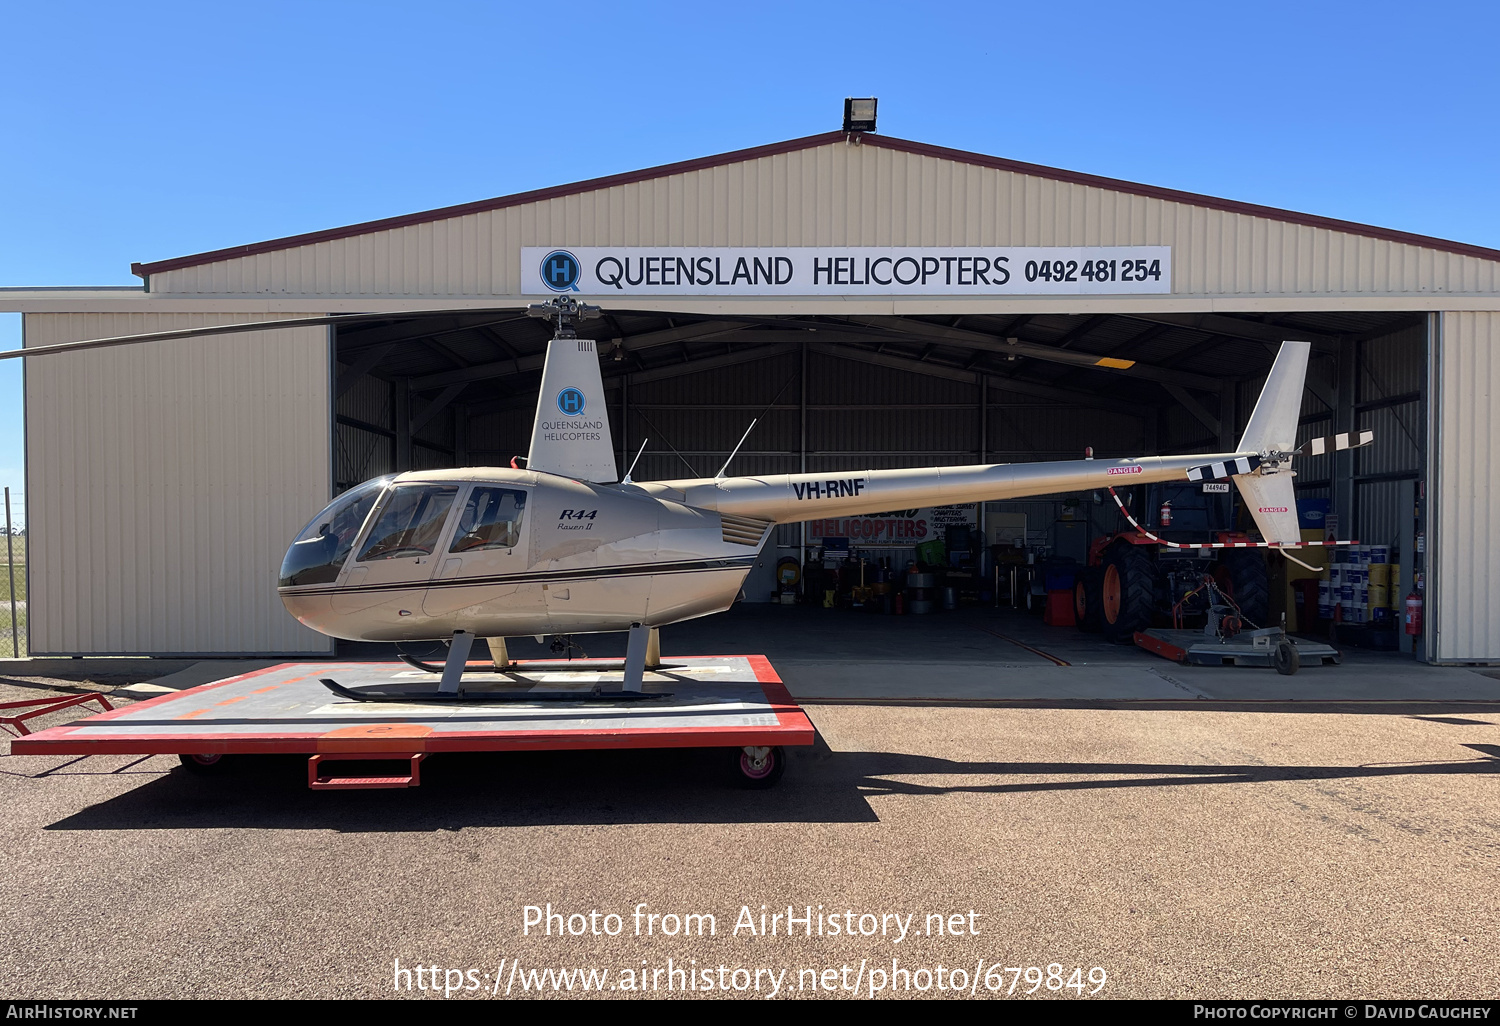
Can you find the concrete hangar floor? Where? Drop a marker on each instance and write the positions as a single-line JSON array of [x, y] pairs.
[[1189, 832]]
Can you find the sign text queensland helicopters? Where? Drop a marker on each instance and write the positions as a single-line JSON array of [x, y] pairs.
[[565, 546]]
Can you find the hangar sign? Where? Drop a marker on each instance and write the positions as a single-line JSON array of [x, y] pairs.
[[844, 271], [899, 528]]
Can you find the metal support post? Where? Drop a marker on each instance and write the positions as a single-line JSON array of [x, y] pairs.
[[401, 414], [10, 569], [458, 658], [1344, 418], [984, 448], [498, 653], [635, 658], [802, 468]]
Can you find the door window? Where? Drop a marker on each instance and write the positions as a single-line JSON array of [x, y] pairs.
[[491, 519], [411, 522]]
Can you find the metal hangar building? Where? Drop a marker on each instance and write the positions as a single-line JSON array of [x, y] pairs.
[[1021, 313]]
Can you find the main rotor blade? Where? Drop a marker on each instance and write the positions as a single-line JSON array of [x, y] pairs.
[[222, 329]]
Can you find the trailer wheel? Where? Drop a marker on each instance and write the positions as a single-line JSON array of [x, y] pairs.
[[758, 768], [1286, 659], [1087, 599], [1249, 584], [1127, 593], [203, 765]]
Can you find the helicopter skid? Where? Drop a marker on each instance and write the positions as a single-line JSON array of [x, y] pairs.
[[462, 695]]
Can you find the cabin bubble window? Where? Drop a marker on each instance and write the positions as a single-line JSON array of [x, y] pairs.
[[411, 522], [491, 520], [320, 550]]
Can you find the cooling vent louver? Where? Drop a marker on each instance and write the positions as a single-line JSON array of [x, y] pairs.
[[743, 530]]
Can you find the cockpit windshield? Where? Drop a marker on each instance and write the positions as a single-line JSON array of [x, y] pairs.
[[320, 550]]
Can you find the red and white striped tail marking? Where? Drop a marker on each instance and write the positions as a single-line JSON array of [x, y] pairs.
[[1217, 545], [1340, 442]]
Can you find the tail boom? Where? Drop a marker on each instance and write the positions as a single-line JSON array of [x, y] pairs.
[[789, 498]]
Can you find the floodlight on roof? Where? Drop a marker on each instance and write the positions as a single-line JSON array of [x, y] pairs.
[[859, 114]]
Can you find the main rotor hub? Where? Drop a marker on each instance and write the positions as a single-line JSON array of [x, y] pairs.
[[564, 312]]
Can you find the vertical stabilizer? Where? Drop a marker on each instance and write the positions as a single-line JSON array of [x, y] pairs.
[[1272, 433], [1273, 425], [570, 436]]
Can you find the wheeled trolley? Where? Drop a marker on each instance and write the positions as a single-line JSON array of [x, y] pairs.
[[737, 703]]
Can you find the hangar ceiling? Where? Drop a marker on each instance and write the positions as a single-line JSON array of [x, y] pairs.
[[491, 361]]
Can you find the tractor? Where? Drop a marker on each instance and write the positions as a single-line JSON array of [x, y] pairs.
[[1132, 582]]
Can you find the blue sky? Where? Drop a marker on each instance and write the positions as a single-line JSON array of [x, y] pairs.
[[137, 133]]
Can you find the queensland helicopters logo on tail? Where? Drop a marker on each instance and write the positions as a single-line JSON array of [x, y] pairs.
[[561, 271], [570, 402]]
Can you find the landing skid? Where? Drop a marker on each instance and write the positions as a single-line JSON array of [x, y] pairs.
[[593, 667], [452, 670], [491, 697]]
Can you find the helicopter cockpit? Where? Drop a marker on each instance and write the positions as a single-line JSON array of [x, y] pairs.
[[324, 544]]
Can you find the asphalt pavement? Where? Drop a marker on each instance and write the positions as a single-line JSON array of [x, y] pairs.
[[1194, 848]]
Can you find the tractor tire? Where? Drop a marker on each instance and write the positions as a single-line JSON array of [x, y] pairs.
[[1127, 593], [1086, 599], [1250, 585]]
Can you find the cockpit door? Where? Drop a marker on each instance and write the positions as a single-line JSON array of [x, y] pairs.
[[485, 554], [402, 547]]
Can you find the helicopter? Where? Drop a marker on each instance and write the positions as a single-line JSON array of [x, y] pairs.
[[564, 545]]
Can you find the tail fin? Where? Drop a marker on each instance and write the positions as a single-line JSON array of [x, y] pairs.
[[1273, 425], [570, 436], [1273, 430]]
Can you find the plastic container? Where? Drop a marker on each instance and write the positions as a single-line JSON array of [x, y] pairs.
[[1380, 575], [1325, 601], [950, 598]]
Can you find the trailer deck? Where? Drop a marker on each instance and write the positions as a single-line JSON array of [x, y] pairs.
[[708, 702]]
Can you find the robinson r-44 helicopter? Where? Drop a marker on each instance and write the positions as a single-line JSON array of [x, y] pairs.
[[565, 546]]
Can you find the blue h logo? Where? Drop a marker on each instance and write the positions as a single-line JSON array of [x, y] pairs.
[[561, 271], [570, 401]]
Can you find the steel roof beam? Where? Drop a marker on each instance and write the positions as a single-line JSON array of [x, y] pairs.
[[1192, 405], [676, 370], [1233, 327], [633, 344], [1014, 347], [937, 370]]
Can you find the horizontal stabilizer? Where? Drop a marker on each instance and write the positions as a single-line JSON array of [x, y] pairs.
[[1223, 469], [1338, 443]]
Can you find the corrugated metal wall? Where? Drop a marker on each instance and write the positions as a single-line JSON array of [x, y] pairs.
[[843, 194], [165, 482], [1464, 565]]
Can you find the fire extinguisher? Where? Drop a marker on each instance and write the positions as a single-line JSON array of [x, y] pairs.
[[1166, 514], [1413, 614]]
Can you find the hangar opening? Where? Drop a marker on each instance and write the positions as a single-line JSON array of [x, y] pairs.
[[841, 394]]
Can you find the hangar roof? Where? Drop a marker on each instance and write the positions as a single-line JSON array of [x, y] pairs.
[[810, 142], [839, 189]]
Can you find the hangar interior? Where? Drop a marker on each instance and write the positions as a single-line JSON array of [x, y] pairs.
[[870, 392]]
